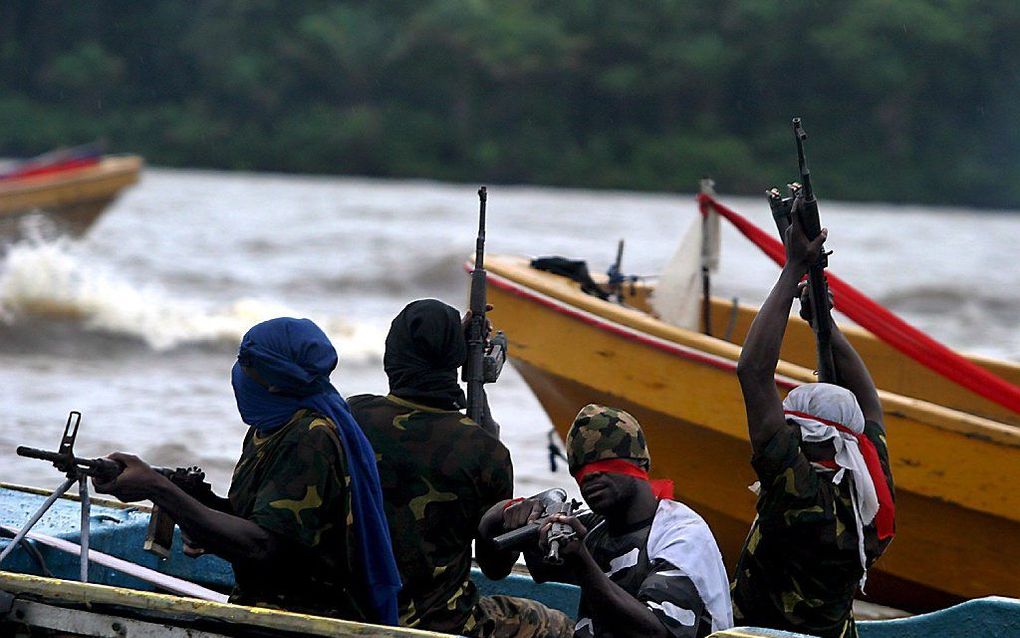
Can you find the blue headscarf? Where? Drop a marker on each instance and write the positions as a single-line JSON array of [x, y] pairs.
[[293, 359]]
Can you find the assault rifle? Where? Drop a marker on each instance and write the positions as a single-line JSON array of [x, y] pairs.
[[554, 501], [486, 356], [161, 527], [159, 536], [802, 202]]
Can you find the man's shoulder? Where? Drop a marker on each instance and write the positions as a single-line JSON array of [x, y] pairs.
[[359, 401], [311, 433]]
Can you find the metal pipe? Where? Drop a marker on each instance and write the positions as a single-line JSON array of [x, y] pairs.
[[57, 493]]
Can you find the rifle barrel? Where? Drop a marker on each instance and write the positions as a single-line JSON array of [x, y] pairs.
[[101, 468], [818, 289], [473, 370], [520, 537], [805, 173], [480, 242]]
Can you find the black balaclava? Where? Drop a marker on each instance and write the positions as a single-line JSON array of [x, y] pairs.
[[424, 349]]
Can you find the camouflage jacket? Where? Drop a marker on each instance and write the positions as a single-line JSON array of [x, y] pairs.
[[440, 472], [799, 567], [294, 484]]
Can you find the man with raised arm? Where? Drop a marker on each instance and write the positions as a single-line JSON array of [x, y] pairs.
[[440, 473], [647, 565], [304, 526], [825, 492]]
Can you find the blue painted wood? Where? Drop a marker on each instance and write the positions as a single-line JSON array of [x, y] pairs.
[[978, 618], [556, 595], [121, 532], [115, 531]]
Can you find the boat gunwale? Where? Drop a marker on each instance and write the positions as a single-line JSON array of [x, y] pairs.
[[635, 325], [71, 495], [109, 166], [68, 592]]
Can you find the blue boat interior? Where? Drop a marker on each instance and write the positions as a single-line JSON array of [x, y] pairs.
[[121, 532]]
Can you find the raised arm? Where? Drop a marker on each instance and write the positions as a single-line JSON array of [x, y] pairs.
[[854, 376], [757, 365]]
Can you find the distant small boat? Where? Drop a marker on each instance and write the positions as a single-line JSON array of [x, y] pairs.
[[71, 187]]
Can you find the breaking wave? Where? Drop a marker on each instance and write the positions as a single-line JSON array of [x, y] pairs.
[[47, 283]]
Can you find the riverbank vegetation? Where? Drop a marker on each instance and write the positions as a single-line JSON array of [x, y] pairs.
[[911, 100]]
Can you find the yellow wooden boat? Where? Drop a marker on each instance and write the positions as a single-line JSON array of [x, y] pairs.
[[73, 198], [955, 456]]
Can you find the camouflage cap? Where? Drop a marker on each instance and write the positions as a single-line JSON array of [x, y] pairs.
[[601, 433]]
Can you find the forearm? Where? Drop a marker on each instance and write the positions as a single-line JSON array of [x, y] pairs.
[[614, 607], [756, 368], [760, 352], [488, 423], [855, 377], [226, 535], [495, 564]]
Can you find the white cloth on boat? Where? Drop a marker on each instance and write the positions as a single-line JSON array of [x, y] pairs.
[[677, 296]]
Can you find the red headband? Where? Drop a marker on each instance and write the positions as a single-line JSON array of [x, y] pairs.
[[885, 519], [662, 488]]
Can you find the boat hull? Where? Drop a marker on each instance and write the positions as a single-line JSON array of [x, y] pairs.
[[114, 606], [956, 473], [72, 199]]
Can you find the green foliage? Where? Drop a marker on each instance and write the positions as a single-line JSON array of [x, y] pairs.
[[914, 100]]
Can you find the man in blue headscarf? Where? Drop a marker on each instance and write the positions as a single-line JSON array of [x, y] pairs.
[[304, 525]]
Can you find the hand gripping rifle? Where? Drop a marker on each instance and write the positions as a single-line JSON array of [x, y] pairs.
[[554, 501], [161, 527], [486, 356], [159, 536], [818, 289]]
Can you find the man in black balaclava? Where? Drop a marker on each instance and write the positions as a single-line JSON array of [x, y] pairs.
[[440, 472]]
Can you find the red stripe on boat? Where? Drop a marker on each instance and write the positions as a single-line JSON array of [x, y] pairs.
[[626, 332]]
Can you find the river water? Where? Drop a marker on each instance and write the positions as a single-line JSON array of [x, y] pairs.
[[136, 324]]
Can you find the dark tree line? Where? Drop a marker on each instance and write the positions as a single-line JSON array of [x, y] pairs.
[[913, 100]]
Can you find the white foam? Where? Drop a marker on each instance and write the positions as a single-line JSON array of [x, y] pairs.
[[48, 280]]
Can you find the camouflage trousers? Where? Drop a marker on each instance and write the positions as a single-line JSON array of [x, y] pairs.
[[511, 617]]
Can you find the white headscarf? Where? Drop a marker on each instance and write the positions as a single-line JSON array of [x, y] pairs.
[[818, 408]]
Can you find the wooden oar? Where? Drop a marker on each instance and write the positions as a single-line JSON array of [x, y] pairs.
[[169, 583]]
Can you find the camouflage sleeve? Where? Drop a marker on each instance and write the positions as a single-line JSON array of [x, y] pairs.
[[789, 485], [781, 452], [496, 478], [876, 434], [874, 546], [671, 595], [305, 491]]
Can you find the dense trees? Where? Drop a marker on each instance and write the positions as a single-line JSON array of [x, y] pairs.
[[913, 100]]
